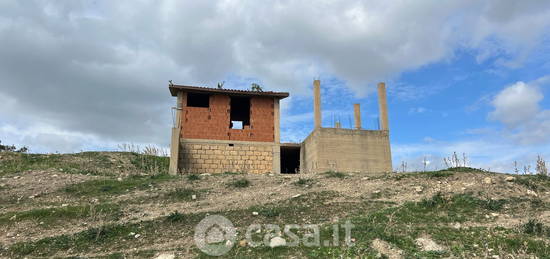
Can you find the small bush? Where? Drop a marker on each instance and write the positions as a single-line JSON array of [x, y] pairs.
[[193, 177], [533, 227], [433, 202], [494, 204], [175, 216], [269, 212], [533, 182], [334, 174], [240, 183], [303, 182]]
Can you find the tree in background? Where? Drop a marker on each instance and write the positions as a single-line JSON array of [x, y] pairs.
[[12, 148]]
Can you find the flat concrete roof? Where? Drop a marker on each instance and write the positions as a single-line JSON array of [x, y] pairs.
[[174, 89], [288, 144]]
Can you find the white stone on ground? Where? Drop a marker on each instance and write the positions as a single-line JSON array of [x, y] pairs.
[[426, 244], [166, 256]]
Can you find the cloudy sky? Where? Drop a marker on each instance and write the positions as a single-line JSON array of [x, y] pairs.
[[468, 76]]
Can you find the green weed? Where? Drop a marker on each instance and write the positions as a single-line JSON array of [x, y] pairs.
[[112, 186], [333, 174], [240, 183], [193, 177]]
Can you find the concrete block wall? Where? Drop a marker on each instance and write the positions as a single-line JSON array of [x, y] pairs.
[[346, 150], [218, 157], [213, 122]]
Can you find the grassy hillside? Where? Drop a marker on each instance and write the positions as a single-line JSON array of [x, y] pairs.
[[119, 205]]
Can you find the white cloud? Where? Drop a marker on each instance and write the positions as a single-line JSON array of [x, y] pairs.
[[516, 104], [100, 68], [518, 107]]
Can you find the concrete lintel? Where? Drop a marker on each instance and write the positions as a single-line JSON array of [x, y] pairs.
[[215, 141]]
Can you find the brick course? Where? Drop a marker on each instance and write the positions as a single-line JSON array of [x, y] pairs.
[[213, 122]]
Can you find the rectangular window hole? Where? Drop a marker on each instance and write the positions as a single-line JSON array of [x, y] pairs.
[[198, 100], [231, 145], [239, 112]]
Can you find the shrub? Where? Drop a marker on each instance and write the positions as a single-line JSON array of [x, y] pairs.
[[269, 212], [334, 174], [193, 177], [433, 202], [303, 182], [240, 183], [175, 216], [534, 227]]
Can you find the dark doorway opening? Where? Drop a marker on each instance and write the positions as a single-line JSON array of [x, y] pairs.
[[290, 159], [240, 112]]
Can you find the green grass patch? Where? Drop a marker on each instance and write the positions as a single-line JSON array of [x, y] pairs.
[[534, 182], [150, 164], [458, 208], [268, 211], [111, 237], [399, 226], [464, 169], [81, 163], [333, 174], [93, 163], [240, 183], [78, 242], [55, 215], [436, 174], [113, 187]]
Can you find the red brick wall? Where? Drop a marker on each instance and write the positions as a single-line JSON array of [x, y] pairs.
[[213, 122]]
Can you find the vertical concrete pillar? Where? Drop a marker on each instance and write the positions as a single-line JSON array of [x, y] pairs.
[[317, 102], [277, 137], [383, 106], [175, 140], [357, 111]]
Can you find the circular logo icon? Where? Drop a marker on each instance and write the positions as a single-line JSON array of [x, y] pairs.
[[215, 235]]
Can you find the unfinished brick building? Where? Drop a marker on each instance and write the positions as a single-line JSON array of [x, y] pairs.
[[224, 130], [221, 130]]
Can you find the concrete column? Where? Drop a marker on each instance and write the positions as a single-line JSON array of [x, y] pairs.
[[175, 140], [357, 111], [277, 137], [276, 120], [383, 106], [317, 102]]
